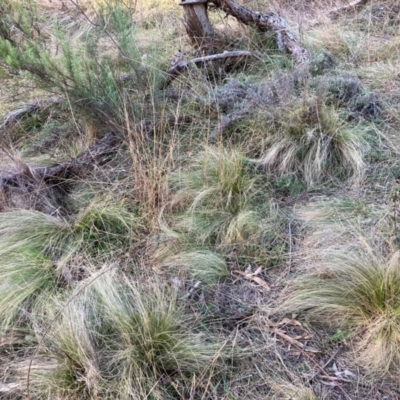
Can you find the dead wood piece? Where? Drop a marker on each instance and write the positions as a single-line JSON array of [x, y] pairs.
[[266, 22], [335, 12], [197, 24], [17, 114], [190, 292], [40, 188], [183, 66], [88, 158]]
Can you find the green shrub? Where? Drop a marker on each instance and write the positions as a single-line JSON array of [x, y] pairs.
[[87, 71]]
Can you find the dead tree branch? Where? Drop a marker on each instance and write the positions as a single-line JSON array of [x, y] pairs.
[[335, 12], [39, 187], [68, 168], [183, 66], [35, 106], [266, 22]]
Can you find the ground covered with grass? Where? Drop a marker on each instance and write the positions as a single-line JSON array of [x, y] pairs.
[[232, 233]]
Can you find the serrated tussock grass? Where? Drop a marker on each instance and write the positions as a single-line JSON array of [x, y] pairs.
[[206, 209], [222, 201], [70, 340], [314, 140], [204, 265], [358, 293], [38, 251], [28, 240], [128, 340]]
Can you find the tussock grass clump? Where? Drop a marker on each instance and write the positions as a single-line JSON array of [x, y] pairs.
[[153, 335], [28, 242], [358, 293], [71, 342], [223, 202], [37, 251], [25, 275], [123, 340], [314, 140], [218, 177], [103, 226], [204, 265]]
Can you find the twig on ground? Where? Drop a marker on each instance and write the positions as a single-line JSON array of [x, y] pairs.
[[322, 369], [63, 170], [191, 291], [331, 358], [39, 187]]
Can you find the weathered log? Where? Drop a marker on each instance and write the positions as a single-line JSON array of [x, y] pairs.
[[266, 22], [197, 24]]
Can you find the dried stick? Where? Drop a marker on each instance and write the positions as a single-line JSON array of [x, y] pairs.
[[63, 170], [285, 337]]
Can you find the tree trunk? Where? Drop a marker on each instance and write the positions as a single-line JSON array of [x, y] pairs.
[[197, 24]]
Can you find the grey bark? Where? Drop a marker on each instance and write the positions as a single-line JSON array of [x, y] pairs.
[[198, 25]]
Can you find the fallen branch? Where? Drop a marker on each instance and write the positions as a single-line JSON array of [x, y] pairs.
[[183, 66], [291, 341], [39, 187], [335, 12], [67, 168], [35, 106], [266, 22]]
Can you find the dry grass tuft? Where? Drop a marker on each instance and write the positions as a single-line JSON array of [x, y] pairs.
[[219, 203], [358, 293], [116, 338], [314, 140]]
